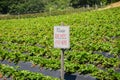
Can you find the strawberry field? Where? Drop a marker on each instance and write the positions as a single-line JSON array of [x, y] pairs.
[[94, 45]]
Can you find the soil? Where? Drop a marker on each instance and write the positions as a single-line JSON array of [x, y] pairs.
[[113, 5], [117, 4], [1, 75]]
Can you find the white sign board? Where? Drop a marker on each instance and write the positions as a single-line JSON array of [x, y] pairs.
[[61, 37]]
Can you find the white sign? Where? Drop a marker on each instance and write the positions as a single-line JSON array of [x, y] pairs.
[[61, 37]]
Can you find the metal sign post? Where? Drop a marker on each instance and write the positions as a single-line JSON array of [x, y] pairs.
[[61, 40]]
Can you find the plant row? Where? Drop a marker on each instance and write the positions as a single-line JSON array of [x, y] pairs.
[[32, 40], [16, 74]]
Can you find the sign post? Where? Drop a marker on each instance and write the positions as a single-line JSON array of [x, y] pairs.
[[62, 64], [61, 40]]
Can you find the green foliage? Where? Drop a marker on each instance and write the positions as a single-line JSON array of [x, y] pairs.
[[53, 5], [38, 6], [22, 74], [79, 3], [31, 6], [32, 40]]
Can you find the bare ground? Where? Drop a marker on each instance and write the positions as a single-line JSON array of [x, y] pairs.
[[113, 5]]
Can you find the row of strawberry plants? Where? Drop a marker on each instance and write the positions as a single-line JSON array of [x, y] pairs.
[[53, 60], [98, 43], [89, 33], [41, 61], [99, 74], [78, 60], [16, 74], [83, 69], [95, 59], [87, 43], [79, 57]]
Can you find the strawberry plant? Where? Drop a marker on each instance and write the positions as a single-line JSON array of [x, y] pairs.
[[31, 40]]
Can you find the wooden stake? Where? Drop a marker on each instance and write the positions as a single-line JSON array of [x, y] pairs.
[[62, 60], [62, 64]]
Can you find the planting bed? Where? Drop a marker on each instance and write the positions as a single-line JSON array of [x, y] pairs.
[[47, 72], [94, 46]]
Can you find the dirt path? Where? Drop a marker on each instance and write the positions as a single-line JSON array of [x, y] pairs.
[[113, 5]]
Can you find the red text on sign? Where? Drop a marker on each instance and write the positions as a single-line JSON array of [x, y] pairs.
[[60, 36], [63, 42]]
